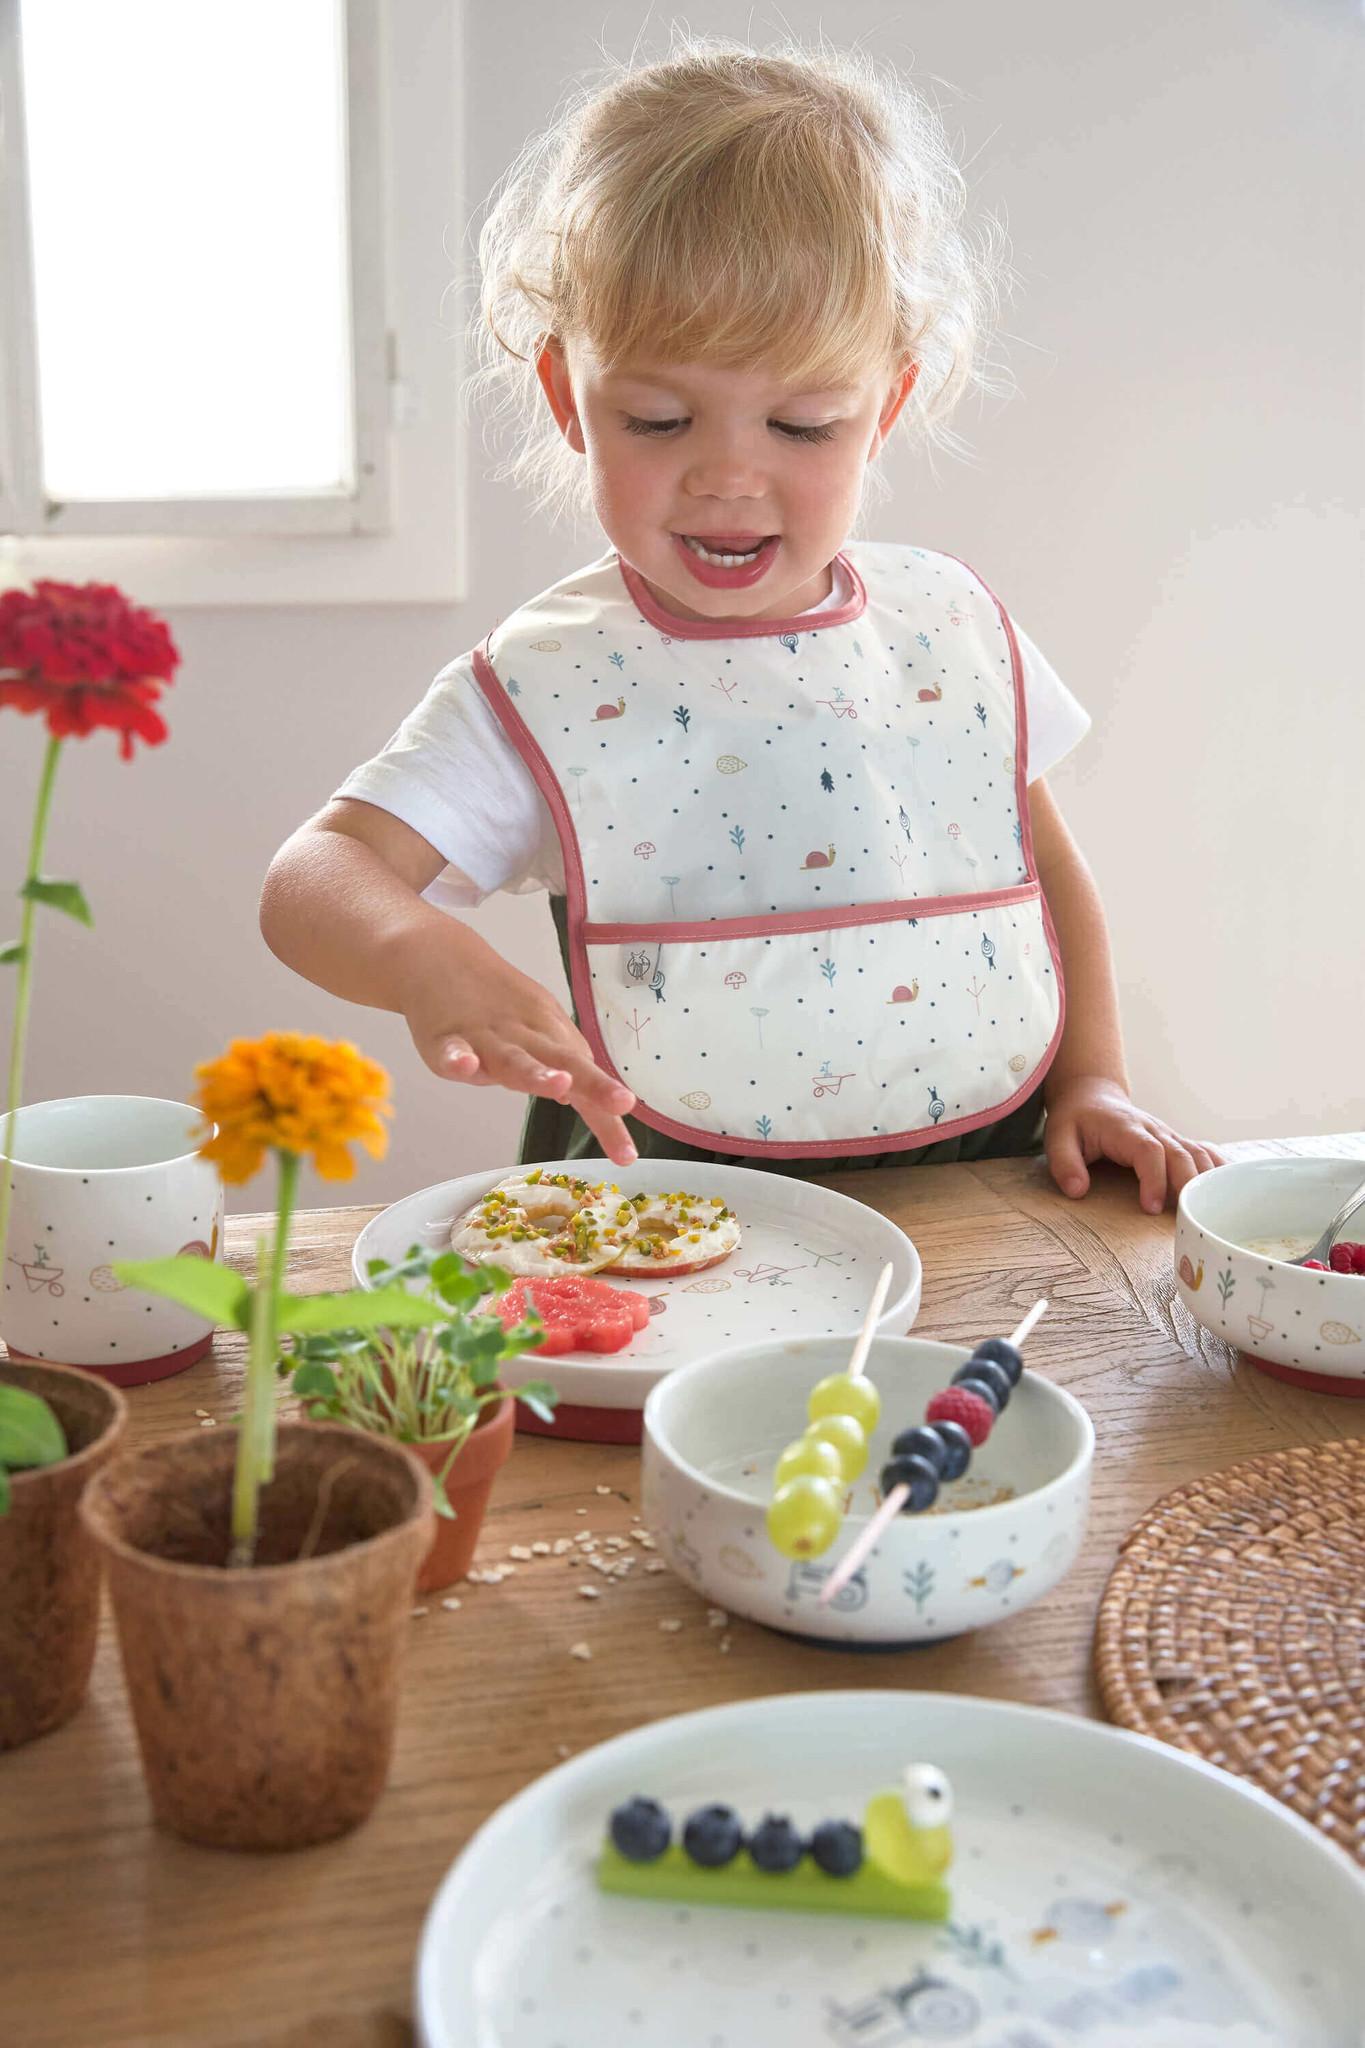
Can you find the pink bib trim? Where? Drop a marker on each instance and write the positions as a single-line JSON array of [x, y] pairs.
[[743, 629]]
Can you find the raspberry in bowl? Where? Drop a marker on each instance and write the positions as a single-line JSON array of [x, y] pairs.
[[1237, 1231]]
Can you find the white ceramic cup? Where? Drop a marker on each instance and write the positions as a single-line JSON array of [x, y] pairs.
[[99, 1178]]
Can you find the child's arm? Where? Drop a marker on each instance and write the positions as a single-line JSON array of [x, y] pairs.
[[342, 906], [1089, 1112]]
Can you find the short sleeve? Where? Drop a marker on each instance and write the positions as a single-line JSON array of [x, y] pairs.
[[452, 774], [1056, 721]]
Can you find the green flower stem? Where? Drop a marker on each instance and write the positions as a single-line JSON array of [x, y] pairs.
[[256, 1441], [24, 986]]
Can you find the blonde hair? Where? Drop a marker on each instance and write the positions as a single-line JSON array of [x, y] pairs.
[[798, 209]]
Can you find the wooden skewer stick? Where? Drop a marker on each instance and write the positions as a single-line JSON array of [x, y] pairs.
[[896, 1499], [857, 1364]]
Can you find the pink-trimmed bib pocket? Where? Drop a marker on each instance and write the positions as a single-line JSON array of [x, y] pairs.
[[880, 1027]]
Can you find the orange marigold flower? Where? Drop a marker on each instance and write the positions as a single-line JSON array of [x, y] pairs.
[[289, 1093]]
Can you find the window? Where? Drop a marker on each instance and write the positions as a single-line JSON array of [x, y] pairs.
[[201, 332]]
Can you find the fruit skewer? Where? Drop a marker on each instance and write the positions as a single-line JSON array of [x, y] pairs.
[[812, 1473], [967, 1409]]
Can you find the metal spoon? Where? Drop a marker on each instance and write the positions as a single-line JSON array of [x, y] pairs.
[[1324, 1244]]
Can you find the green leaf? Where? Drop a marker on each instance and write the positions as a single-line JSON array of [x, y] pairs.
[[439, 1501], [30, 1433], [12, 954], [315, 1379], [67, 896], [362, 1309], [210, 1290], [540, 1398], [4, 1491]]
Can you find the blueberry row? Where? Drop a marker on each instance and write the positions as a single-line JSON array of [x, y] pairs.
[[958, 1420], [714, 1835]]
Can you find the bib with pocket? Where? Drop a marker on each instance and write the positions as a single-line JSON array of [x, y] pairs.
[[802, 906]]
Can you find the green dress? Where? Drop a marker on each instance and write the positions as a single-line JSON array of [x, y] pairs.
[[552, 1130]]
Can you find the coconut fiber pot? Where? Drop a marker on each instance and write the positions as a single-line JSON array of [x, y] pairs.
[[49, 1568], [467, 1487], [264, 1698]]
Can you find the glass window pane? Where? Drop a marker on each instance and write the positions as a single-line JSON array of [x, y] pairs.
[[187, 165]]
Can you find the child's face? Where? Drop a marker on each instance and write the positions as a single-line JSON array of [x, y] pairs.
[[679, 452]]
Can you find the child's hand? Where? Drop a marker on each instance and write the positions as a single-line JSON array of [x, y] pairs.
[[1092, 1118], [503, 1030]]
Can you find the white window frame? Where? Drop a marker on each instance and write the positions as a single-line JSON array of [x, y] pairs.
[[397, 536]]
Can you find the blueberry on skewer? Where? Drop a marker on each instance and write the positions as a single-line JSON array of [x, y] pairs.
[[982, 1372]]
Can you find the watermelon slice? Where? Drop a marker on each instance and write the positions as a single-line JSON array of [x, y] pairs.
[[579, 1312]]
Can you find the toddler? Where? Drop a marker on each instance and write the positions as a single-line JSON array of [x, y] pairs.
[[785, 789]]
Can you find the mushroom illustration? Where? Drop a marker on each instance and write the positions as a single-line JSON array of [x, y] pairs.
[[954, 831], [930, 696], [646, 849], [735, 979], [818, 859], [610, 710]]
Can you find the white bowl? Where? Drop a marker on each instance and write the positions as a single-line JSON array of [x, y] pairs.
[[714, 1431], [1300, 1326]]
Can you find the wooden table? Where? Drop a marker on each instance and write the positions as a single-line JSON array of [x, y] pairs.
[[115, 1936]]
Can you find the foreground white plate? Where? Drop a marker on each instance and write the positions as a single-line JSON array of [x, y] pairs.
[[807, 1265], [1107, 1891]]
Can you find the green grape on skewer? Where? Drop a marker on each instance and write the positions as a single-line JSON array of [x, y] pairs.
[[805, 1515], [842, 1395], [847, 1438], [810, 1455]]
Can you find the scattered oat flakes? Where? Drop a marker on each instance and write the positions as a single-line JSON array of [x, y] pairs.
[[586, 1592], [418, 1612], [670, 1628], [581, 1651], [614, 1542], [520, 1552], [716, 1617], [602, 1489], [725, 1646], [561, 1544], [206, 1422], [540, 1550], [562, 1749], [656, 1564], [451, 1603], [580, 1511], [201, 1411]]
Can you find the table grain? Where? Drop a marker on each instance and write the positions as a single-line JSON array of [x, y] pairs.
[[114, 1935]]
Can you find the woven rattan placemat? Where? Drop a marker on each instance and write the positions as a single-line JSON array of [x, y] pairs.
[[1234, 1626]]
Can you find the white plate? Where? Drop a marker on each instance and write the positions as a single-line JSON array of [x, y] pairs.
[[1107, 1892], [806, 1266]]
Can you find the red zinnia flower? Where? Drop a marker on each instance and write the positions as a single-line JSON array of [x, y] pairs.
[[83, 656]]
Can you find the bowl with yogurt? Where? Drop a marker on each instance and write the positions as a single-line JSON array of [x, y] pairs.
[[1237, 1230]]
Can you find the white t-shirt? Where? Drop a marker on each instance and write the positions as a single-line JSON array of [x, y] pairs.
[[452, 774]]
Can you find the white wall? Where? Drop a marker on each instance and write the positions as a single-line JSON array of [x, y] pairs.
[[1170, 504]]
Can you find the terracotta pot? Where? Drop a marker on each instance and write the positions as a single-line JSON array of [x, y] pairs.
[[467, 1489], [264, 1698], [49, 1568]]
